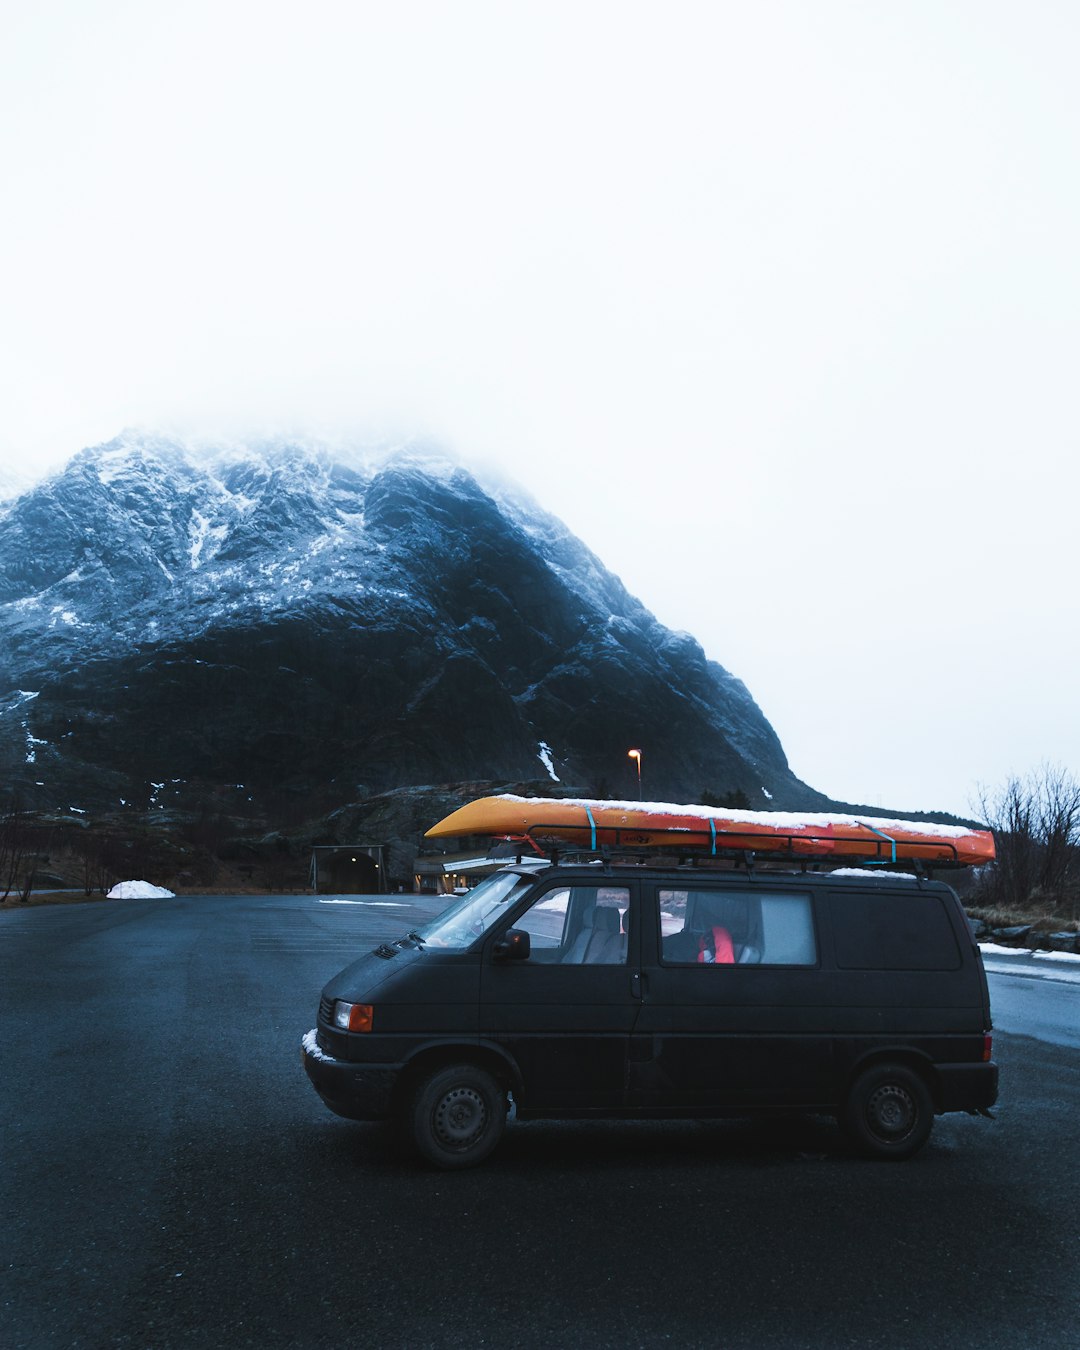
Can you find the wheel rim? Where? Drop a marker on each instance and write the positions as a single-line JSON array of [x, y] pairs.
[[891, 1112], [460, 1118]]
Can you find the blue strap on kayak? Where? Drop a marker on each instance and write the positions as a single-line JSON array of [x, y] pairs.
[[592, 824], [880, 862], [712, 830]]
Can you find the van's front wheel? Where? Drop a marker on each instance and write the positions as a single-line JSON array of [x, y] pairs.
[[457, 1116], [889, 1112]]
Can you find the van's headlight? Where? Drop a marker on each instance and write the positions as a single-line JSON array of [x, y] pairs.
[[353, 1016]]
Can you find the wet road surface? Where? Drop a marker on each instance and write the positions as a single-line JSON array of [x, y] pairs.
[[170, 1179]]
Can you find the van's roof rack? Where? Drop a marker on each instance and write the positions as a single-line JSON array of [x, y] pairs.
[[718, 858], [801, 848]]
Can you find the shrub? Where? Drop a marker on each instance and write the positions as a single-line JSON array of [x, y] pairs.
[[1036, 824]]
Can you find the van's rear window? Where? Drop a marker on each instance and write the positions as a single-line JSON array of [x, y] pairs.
[[892, 932]]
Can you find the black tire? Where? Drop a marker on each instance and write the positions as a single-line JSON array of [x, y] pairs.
[[889, 1112], [457, 1116]]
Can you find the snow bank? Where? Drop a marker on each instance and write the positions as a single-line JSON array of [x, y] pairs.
[[996, 949], [371, 904], [139, 890]]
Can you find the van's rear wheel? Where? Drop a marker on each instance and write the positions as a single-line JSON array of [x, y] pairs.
[[889, 1112], [457, 1116]]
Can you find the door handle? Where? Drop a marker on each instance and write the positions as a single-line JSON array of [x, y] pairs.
[[638, 984]]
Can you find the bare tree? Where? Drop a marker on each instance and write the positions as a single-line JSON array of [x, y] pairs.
[[16, 845], [1059, 830], [1036, 823], [24, 841], [89, 848]]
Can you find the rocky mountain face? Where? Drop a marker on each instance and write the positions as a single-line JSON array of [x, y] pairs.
[[281, 631]]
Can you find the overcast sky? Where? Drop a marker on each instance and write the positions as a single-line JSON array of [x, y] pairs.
[[776, 304]]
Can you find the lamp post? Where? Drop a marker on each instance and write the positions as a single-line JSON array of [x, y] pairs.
[[636, 755]]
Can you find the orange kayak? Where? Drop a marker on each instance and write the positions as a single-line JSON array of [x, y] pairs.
[[597, 824]]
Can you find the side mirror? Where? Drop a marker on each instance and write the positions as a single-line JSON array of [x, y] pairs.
[[514, 945]]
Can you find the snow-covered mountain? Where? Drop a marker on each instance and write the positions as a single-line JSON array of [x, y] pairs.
[[290, 625], [12, 482]]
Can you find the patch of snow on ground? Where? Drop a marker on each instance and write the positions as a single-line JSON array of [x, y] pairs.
[[139, 890], [1034, 966], [373, 904], [995, 949]]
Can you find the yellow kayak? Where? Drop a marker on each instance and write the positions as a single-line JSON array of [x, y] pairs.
[[591, 824]]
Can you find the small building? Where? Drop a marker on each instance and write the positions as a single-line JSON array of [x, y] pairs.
[[445, 873], [348, 869]]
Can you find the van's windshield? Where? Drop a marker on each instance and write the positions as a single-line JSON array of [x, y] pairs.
[[459, 926]]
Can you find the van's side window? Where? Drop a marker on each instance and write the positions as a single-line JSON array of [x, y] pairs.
[[745, 928], [579, 926], [888, 932]]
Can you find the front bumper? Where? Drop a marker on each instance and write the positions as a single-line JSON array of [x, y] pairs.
[[355, 1091]]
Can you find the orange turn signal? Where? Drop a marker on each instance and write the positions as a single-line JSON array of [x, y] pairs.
[[988, 1047], [360, 1017]]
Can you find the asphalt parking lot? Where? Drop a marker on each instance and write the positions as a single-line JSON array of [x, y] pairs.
[[171, 1179]]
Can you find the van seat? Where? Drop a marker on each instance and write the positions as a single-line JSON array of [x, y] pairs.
[[600, 943]]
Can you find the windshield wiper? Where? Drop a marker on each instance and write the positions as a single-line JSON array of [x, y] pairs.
[[411, 936]]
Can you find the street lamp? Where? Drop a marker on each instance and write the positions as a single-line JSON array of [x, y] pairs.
[[636, 754]]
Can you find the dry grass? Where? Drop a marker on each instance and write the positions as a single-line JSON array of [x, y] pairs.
[[48, 898], [1042, 922]]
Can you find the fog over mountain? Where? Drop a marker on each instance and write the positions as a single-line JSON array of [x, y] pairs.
[[290, 629]]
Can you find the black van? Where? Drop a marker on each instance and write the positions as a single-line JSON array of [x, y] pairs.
[[642, 991]]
